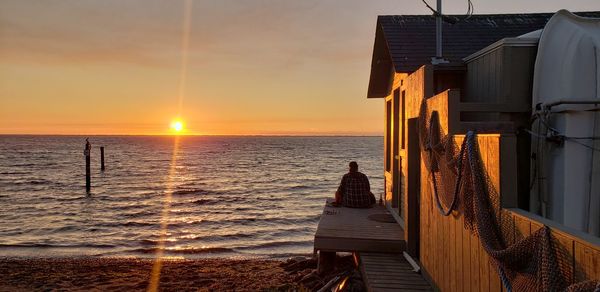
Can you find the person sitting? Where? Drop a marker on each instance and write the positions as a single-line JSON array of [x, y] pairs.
[[354, 190]]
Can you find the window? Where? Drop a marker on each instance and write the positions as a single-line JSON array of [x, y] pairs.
[[388, 135], [403, 109]]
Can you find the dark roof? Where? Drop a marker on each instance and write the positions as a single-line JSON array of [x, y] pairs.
[[403, 43]]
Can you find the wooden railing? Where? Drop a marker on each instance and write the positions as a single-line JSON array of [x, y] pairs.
[[583, 249], [453, 258]]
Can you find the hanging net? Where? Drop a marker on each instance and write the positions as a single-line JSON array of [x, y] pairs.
[[459, 182]]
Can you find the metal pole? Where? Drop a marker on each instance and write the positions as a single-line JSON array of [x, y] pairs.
[[438, 30], [102, 158]]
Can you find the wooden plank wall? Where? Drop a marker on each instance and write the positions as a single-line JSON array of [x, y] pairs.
[[503, 75], [455, 260], [388, 175], [582, 249], [451, 255], [418, 85]]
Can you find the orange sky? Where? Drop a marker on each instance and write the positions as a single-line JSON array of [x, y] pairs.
[[253, 67]]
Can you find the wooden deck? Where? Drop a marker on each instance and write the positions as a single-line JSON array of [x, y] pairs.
[[349, 230], [390, 272]]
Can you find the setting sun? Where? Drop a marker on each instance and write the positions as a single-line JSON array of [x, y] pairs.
[[177, 126]]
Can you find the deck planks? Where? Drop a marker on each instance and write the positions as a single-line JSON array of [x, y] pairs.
[[349, 229], [390, 272]]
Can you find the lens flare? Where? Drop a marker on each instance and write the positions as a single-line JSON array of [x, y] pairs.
[[177, 126]]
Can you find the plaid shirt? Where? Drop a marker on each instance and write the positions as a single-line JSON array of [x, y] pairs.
[[356, 191]]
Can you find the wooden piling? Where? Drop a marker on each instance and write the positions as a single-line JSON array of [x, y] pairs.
[[326, 262], [87, 153], [88, 179], [102, 158]]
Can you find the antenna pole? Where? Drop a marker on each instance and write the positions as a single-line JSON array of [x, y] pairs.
[[439, 58], [438, 30]]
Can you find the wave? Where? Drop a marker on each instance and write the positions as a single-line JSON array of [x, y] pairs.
[[139, 214], [271, 244], [205, 202], [244, 209], [39, 181], [261, 234], [251, 221], [22, 165], [191, 250], [263, 202], [65, 228], [186, 192], [67, 199], [14, 172], [286, 255], [47, 245], [300, 230], [301, 187], [24, 182], [128, 224]]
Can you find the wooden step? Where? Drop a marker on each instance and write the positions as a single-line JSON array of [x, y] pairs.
[[390, 272]]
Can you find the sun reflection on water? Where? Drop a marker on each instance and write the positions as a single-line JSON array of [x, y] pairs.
[[178, 127], [155, 276]]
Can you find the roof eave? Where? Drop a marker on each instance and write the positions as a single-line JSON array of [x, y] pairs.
[[382, 66]]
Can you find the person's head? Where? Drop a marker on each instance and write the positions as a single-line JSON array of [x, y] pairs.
[[353, 166]]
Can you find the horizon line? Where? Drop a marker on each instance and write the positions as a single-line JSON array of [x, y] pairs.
[[201, 135]]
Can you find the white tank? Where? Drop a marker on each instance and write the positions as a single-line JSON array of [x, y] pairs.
[[566, 83]]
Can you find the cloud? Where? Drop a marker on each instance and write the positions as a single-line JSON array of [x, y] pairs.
[[148, 33], [84, 31]]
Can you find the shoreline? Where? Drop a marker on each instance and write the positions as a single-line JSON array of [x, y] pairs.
[[58, 252], [133, 274]]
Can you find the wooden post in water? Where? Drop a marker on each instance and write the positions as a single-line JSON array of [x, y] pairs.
[[102, 158], [87, 154]]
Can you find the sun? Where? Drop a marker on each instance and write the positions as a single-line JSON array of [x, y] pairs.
[[177, 126]]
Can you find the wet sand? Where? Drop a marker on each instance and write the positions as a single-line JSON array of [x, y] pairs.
[[125, 274]]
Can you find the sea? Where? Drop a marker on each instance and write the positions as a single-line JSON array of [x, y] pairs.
[[186, 196]]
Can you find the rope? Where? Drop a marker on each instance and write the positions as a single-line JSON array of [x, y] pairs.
[[459, 166]]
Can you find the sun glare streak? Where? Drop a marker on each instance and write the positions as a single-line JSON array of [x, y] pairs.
[[164, 219], [176, 126], [185, 41]]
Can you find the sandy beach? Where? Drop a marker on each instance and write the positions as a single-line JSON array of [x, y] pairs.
[[125, 274]]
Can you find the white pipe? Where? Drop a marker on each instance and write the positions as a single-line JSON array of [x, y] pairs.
[[412, 262]]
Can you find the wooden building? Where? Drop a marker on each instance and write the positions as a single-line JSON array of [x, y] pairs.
[[486, 87]]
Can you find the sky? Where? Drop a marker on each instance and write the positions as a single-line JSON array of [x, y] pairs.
[[251, 67]]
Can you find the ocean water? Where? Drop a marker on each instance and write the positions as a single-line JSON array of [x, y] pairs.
[[224, 196]]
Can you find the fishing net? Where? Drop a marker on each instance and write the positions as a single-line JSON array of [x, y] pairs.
[[459, 182]]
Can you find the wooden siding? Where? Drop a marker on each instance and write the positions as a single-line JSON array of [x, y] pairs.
[[583, 249], [501, 74], [396, 176], [452, 258], [418, 85]]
